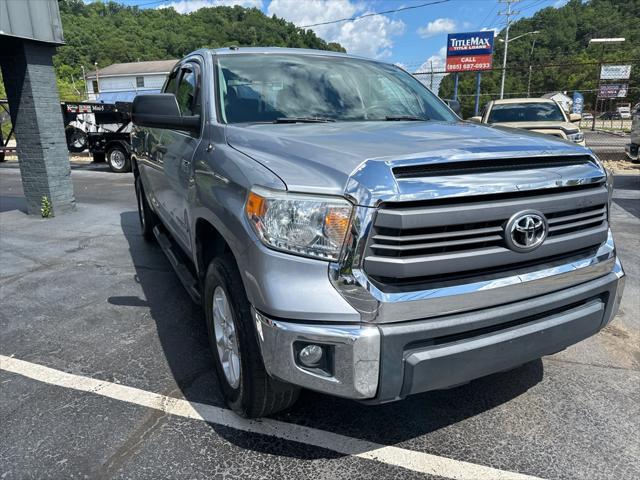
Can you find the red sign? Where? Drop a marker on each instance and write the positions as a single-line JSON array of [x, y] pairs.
[[469, 63]]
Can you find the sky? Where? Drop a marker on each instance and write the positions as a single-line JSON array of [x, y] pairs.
[[413, 39]]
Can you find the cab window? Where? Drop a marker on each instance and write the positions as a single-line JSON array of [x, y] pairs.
[[187, 92], [172, 83]]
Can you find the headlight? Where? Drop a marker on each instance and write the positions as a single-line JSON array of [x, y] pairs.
[[308, 225], [576, 137]]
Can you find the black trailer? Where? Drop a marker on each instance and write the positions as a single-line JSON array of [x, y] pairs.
[[112, 146]]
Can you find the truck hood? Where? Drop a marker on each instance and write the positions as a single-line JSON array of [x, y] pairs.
[[566, 127], [357, 157]]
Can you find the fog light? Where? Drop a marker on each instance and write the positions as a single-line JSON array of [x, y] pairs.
[[311, 355]]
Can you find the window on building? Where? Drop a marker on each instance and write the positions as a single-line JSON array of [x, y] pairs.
[[140, 82], [95, 86]]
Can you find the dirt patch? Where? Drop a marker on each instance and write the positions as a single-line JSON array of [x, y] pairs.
[[622, 166], [614, 330]]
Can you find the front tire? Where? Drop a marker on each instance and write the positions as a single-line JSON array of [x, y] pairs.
[[247, 387]]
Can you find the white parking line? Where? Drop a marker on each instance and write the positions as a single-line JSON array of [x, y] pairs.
[[409, 459]]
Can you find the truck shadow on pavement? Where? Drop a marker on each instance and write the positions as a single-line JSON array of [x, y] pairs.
[[182, 333]]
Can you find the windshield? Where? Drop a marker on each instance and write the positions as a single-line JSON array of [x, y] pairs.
[[526, 112], [268, 87]]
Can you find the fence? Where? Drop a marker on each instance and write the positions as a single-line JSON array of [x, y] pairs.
[[536, 80]]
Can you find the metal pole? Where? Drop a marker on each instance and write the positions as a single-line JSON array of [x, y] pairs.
[[504, 61], [478, 78], [431, 84], [455, 86], [508, 14], [97, 81], [84, 80], [595, 103], [530, 58]]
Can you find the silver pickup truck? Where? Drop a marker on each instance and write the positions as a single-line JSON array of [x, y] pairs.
[[346, 232]]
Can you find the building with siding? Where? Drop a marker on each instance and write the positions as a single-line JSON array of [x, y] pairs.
[[121, 82]]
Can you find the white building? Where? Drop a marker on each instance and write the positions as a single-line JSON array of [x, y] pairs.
[[123, 81]]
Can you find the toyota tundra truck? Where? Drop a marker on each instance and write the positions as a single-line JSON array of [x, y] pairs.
[[346, 232]]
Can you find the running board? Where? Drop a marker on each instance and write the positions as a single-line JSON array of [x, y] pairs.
[[178, 262]]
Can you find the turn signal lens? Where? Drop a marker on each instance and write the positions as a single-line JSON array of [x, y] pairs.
[[308, 225], [256, 205]]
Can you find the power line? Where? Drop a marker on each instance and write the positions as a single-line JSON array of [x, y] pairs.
[[482, 24], [373, 14]]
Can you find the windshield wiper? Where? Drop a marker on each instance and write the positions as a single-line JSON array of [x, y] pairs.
[[303, 120], [399, 118]]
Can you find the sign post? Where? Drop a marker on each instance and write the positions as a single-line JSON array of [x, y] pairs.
[[477, 106], [455, 86], [469, 52]]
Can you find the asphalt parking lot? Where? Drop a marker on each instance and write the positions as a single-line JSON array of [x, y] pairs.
[[105, 373]]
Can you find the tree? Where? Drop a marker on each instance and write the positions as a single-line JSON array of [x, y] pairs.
[[561, 51], [109, 33]]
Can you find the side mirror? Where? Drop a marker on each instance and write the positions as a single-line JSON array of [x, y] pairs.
[[477, 119], [161, 110], [575, 117], [454, 105]]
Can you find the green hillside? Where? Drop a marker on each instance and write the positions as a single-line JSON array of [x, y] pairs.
[[563, 42]]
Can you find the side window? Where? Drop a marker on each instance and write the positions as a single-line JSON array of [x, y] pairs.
[[172, 83], [187, 92]]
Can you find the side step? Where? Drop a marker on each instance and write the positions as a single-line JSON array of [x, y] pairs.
[[179, 263]]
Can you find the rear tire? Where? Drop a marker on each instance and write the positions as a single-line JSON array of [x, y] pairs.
[[253, 393], [148, 219], [76, 139], [118, 159]]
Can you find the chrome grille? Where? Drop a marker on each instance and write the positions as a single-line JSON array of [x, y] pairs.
[[438, 238]]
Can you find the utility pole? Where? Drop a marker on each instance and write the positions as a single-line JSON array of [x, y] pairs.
[[84, 81], [509, 13], [431, 84], [533, 44]]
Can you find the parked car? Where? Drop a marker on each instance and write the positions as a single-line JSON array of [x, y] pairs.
[[540, 115], [346, 232], [610, 116], [586, 117], [624, 111]]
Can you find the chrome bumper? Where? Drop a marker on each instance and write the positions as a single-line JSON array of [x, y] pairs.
[[355, 352], [417, 356], [381, 307]]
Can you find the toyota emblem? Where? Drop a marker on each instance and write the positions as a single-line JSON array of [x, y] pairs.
[[526, 231]]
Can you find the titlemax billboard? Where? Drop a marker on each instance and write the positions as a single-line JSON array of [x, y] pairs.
[[469, 52]]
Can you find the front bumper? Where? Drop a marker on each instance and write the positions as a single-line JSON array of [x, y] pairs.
[[379, 363]]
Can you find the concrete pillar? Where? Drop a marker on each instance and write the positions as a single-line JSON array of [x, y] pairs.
[[30, 82]]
